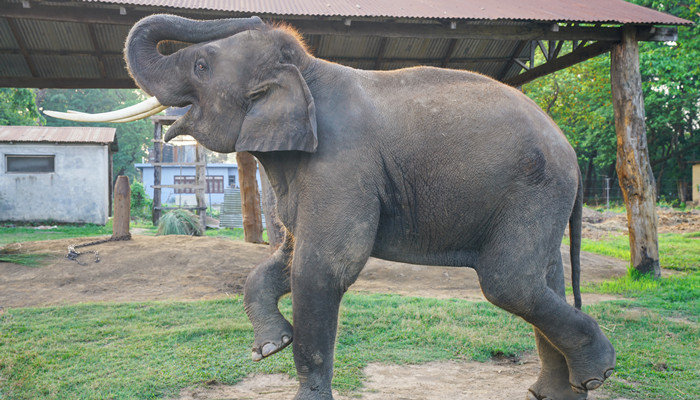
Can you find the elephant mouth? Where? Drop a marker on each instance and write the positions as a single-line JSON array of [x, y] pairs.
[[142, 110]]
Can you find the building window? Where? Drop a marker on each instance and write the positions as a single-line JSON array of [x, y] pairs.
[[215, 184], [29, 163]]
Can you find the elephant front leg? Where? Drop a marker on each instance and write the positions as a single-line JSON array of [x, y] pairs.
[[315, 302], [320, 277], [265, 285]]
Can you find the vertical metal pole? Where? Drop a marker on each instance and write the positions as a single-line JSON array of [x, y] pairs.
[[607, 192]]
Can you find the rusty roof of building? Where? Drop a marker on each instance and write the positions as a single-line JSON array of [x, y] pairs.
[[595, 11], [53, 134]]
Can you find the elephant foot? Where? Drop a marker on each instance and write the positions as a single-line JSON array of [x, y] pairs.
[[313, 394], [591, 374], [558, 390], [592, 383], [271, 340], [591, 365]]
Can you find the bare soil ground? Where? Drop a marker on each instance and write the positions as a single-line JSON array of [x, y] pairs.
[[195, 268]]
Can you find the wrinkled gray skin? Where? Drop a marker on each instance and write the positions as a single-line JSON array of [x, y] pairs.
[[421, 165]]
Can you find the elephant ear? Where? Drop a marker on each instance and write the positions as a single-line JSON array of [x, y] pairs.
[[282, 119]]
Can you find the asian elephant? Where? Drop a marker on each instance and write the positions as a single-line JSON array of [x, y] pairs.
[[419, 165]]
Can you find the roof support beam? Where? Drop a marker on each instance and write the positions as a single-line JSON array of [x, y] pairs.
[[513, 60], [98, 51], [460, 60], [72, 83], [448, 53], [64, 53], [22, 47], [575, 57], [380, 53]]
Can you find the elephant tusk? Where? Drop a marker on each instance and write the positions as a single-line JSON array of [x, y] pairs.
[[141, 110], [127, 119], [141, 116]]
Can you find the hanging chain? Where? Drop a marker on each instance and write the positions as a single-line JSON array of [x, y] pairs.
[[74, 254]]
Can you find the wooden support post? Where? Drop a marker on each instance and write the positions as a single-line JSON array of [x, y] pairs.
[[122, 209], [200, 181], [250, 198], [633, 168], [157, 158], [273, 224]]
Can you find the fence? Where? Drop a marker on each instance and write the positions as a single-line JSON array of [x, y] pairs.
[[605, 191]]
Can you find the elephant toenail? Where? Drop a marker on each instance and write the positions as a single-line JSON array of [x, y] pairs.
[[532, 396], [256, 356], [609, 372], [268, 349], [286, 339], [593, 384]]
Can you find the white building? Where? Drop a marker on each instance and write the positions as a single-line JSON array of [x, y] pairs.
[[60, 174], [219, 177]]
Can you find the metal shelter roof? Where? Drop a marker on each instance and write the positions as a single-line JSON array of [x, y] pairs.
[[79, 43], [52, 134], [599, 11]]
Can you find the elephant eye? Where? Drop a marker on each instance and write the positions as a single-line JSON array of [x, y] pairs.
[[258, 93], [200, 66]]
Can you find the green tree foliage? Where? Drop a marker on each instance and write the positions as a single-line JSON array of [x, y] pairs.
[[579, 100], [17, 107], [133, 138], [670, 77], [141, 203]]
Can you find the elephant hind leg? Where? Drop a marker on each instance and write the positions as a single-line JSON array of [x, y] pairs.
[[553, 379], [517, 284], [265, 285]]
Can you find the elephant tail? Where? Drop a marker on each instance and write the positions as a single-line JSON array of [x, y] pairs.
[[575, 244]]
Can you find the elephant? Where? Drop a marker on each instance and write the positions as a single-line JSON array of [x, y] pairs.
[[420, 165]]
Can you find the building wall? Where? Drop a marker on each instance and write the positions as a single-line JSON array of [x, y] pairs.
[[77, 191]]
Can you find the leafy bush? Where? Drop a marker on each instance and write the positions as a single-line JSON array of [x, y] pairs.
[[141, 204], [179, 222]]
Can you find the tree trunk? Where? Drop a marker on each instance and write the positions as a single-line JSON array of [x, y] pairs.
[[272, 222], [250, 198], [122, 209], [633, 168]]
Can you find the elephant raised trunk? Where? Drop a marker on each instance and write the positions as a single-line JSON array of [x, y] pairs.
[[148, 67]]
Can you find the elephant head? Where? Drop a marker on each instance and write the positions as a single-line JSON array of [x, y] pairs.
[[242, 78]]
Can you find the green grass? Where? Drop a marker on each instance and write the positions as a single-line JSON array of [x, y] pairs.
[[28, 260], [152, 350], [26, 233]]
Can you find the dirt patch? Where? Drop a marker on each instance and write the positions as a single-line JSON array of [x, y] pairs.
[[195, 268], [597, 224], [493, 380]]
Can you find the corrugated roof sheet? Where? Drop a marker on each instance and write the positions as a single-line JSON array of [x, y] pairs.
[[54, 134], [598, 11]]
